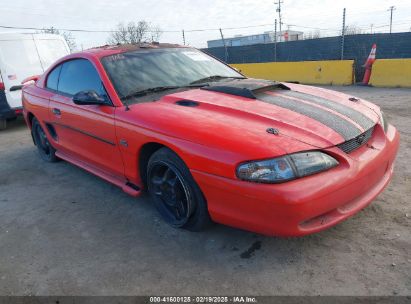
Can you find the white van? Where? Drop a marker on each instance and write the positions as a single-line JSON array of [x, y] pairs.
[[22, 56]]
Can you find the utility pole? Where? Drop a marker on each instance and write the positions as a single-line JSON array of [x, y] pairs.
[[184, 38], [372, 25], [275, 40], [225, 46], [279, 13], [343, 36], [392, 8]]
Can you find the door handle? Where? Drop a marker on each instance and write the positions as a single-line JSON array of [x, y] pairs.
[[56, 112]]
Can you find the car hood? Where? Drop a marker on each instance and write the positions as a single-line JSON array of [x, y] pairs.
[[252, 115]]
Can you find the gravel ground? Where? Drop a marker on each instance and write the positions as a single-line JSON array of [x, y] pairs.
[[66, 232]]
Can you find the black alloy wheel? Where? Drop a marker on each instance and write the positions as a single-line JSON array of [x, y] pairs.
[[44, 147], [176, 195], [169, 189]]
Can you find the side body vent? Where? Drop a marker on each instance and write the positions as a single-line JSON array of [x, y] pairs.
[[52, 131]]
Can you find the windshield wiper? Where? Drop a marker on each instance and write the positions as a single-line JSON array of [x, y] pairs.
[[214, 78], [159, 89]]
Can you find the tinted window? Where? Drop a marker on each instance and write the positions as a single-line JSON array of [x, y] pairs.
[[140, 70], [53, 78], [79, 75]]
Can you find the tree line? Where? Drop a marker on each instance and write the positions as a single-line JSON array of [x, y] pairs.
[[130, 33]]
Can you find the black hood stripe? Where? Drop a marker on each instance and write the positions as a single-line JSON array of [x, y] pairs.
[[244, 87], [362, 120], [340, 125]]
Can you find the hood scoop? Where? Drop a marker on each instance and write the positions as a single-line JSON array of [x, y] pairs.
[[245, 87], [187, 103]]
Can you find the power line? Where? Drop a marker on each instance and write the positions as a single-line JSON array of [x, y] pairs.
[[60, 29], [113, 31], [311, 27], [230, 28], [401, 22]]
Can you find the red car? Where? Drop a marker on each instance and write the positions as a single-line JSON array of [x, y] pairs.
[[209, 144]]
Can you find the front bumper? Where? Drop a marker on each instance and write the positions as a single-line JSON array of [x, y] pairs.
[[309, 204]]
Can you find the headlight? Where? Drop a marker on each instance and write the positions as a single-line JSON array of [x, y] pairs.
[[286, 168], [384, 121]]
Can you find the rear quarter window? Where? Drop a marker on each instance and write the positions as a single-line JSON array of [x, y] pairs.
[[53, 78]]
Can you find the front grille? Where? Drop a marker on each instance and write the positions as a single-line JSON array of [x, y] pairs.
[[353, 144]]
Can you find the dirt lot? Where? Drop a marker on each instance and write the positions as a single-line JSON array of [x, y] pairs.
[[66, 232]]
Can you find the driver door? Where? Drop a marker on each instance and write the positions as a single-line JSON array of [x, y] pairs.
[[85, 132]]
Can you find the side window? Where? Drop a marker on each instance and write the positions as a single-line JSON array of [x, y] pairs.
[[53, 78], [79, 75]]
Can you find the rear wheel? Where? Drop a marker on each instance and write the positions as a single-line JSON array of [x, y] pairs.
[[3, 124], [176, 195], [45, 149]]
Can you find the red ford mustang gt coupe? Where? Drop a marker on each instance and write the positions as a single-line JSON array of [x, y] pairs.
[[209, 144]]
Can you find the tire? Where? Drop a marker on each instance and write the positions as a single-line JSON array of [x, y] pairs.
[[176, 195], [3, 124], [44, 147]]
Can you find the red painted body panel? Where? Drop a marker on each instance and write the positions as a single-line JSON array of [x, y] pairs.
[[95, 120], [307, 205], [213, 139]]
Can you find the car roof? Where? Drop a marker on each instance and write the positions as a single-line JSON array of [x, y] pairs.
[[107, 50]]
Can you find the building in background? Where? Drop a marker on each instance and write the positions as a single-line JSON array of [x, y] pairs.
[[266, 37]]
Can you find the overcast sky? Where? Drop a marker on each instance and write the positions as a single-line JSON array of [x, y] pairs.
[[175, 15]]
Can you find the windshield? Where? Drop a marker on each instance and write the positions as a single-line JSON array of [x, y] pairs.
[[136, 71]]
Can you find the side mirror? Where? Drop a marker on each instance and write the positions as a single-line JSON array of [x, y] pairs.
[[89, 98]]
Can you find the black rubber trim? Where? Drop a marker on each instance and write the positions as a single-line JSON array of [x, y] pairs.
[[133, 186], [85, 133], [16, 88], [346, 129], [365, 122]]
